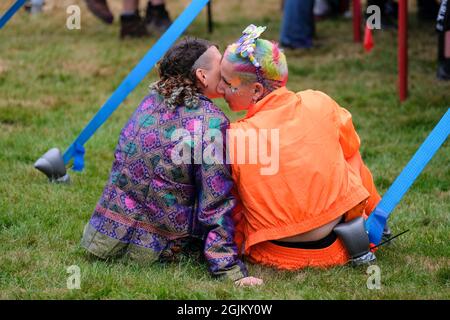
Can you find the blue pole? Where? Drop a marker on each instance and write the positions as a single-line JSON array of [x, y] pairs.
[[377, 219], [136, 75], [11, 11]]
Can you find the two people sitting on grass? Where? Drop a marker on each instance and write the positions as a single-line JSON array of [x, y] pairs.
[[155, 208], [182, 179]]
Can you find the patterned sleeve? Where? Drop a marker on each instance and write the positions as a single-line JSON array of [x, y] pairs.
[[216, 203]]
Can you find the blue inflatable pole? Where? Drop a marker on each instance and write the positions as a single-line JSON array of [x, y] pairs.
[[377, 219], [11, 11], [76, 149]]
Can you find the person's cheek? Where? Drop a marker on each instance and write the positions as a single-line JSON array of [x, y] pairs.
[[220, 88]]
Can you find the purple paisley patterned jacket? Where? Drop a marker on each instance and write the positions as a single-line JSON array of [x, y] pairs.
[[157, 207]]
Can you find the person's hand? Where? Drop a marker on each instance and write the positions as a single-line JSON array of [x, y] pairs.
[[248, 282]]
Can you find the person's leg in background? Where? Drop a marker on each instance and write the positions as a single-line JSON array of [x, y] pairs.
[[157, 18], [131, 23], [297, 28], [130, 6], [101, 10]]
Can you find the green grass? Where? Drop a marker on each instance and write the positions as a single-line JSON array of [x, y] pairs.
[[52, 81]]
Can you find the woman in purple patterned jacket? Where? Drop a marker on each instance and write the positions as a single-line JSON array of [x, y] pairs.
[[155, 207]]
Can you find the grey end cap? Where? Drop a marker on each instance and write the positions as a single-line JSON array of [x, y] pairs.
[[52, 165], [354, 236]]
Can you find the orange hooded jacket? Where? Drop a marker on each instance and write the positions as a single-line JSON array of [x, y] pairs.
[[320, 173]]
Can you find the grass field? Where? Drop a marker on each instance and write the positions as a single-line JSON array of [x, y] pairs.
[[53, 80]]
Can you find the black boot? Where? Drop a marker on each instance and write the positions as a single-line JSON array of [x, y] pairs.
[[157, 19], [131, 25]]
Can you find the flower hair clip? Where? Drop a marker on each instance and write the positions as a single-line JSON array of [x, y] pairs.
[[246, 44]]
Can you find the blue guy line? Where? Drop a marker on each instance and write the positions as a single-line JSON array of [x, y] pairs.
[[133, 79], [377, 219], [11, 11]]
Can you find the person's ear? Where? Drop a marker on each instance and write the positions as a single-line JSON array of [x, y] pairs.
[[258, 91], [201, 77]]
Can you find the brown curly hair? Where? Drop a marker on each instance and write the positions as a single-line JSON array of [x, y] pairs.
[[178, 83]]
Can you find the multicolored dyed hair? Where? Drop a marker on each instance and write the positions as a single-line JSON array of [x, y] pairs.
[[272, 60]]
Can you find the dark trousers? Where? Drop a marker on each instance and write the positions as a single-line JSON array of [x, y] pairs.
[[297, 29]]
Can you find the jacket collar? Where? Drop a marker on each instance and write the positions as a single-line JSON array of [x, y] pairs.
[[273, 100]]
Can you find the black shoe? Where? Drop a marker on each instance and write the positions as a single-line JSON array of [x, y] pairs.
[[157, 19], [132, 26]]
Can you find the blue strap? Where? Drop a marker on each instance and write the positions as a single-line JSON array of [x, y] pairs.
[[78, 157], [137, 74], [377, 219], [11, 11]]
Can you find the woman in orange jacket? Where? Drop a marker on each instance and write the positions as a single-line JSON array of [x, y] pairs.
[[316, 178]]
